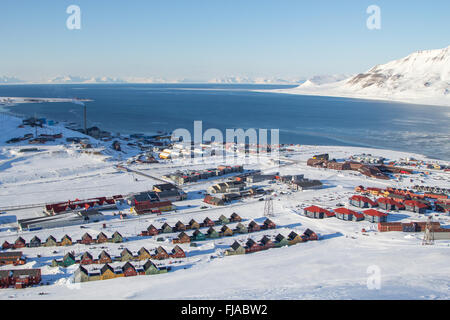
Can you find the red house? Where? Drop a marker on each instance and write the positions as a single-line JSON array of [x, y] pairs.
[[87, 258], [268, 224], [6, 245], [252, 246], [267, 243], [152, 231], [253, 227], [208, 223], [177, 252], [86, 239], [161, 254], [129, 270], [101, 238], [19, 243]]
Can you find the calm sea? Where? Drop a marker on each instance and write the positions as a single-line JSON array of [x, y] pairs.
[[149, 108]]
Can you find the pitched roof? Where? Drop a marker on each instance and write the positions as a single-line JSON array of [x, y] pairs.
[[375, 213]]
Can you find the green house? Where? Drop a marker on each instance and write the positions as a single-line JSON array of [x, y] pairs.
[[198, 236], [236, 248], [50, 242], [116, 237], [281, 241], [151, 268], [166, 228], [223, 219], [240, 228], [212, 234], [126, 255], [66, 261]]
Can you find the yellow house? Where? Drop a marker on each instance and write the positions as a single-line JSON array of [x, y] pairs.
[[66, 241], [106, 272]]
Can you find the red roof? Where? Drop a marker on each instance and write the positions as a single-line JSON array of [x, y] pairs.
[[417, 204], [376, 213], [363, 199], [318, 210], [345, 211]]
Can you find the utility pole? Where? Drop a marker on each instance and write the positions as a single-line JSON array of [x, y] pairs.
[[85, 128], [268, 207]]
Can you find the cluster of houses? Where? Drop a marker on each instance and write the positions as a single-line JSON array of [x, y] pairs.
[[100, 203], [266, 242], [225, 231], [107, 271], [192, 225], [444, 192], [377, 170], [399, 199], [86, 239], [125, 255], [19, 278], [370, 215], [182, 177]]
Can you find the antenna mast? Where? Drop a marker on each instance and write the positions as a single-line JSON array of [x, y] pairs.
[[428, 237], [268, 207]]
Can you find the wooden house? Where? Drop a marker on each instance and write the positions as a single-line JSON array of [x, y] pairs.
[[116, 237], [107, 272], [252, 246], [177, 252], [198, 236], [86, 258], [182, 238], [66, 241], [208, 223], [294, 238], [179, 226], [19, 243], [81, 274], [34, 242], [104, 257], [126, 255], [268, 224], [165, 228], [143, 254], [50, 242], [235, 249], [223, 220], [281, 241], [310, 235], [253, 227], [267, 243], [101, 238], [225, 231], [6, 245], [150, 268], [240, 228], [152, 231], [212, 233], [161, 254], [86, 239], [316, 212], [66, 261], [129, 270], [235, 217], [194, 224]]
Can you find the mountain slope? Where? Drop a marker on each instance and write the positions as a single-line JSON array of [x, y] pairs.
[[422, 77]]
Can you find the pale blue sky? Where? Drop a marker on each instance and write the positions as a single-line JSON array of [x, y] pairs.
[[204, 39]]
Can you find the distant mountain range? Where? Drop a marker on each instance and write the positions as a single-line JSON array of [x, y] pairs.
[[422, 77]]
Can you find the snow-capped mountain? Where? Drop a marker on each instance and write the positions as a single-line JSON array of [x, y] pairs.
[[79, 79], [6, 79], [422, 77], [256, 80]]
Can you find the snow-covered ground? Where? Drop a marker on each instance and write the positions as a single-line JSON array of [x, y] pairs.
[[338, 266], [422, 77]]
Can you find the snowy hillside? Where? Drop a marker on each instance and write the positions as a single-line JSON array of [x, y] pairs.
[[422, 77]]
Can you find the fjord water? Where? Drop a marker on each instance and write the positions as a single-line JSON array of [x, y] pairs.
[[149, 108]]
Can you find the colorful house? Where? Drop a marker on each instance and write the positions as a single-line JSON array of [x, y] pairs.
[[225, 231], [362, 202], [240, 228], [86, 239], [223, 220], [198, 236], [182, 238], [143, 254], [19, 243], [126, 255], [268, 224], [348, 215], [129, 270], [50, 242], [165, 228], [107, 272], [212, 233], [66, 241], [235, 249], [177, 252], [87, 258], [194, 224], [179, 226], [116, 237], [34, 242], [294, 238], [253, 227], [267, 243], [161, 254], [390, 204], [208, 222], [252, 246], [235, 217], [415, 206], [101, 238], [281, 241], [104, 258]]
